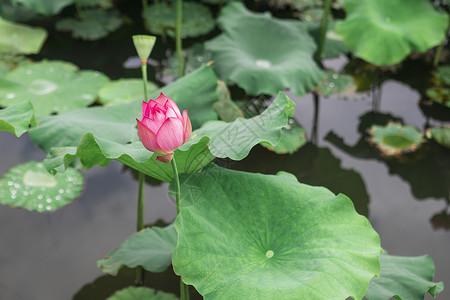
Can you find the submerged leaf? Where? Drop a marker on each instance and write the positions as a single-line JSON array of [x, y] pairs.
[[51, 86], [30, 186], [394, 139], [313, 244], [282, 59], [384, 32], [95, 24], [197, 19], [141, 293], [18, 38], [150, 248], [17, 118], [404, 278]]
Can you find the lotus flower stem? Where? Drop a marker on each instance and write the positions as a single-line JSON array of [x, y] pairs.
[[323, 30], [140, 273], [178, 38], [184, 289], [144, 78]]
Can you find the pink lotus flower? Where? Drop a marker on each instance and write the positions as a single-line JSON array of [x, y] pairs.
[[163, 129]]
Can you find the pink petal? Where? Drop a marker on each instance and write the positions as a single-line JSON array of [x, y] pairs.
[[162, 99], [154, 124], [148, 138], [187, 127], [171, 104], [170, 113], [165, 158], [145, 108], [155, 105], [170, 135]]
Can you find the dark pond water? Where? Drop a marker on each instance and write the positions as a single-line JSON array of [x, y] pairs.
[[53, 255]]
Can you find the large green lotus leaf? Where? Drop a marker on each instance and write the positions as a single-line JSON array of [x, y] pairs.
[[124, 90], [440, 135], [281, 60], [95, 24], [384, 32], [404, 278], [440, 91], [51, 86], [17, 118], [45, 7], [141, 293], [30, 186], [17, 38], [235, 139], [395, 139], [233, 244], [197, 19], [150, 248]]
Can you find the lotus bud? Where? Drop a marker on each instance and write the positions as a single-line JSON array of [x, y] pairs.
[[163, 129]]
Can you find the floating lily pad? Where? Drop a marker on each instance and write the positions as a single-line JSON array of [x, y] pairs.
[[314, 245], [197, 19], [150, 248], [281, 60], [440, 91], [226, 109], [141, 293], [95, 24], [51, 86], [293, 137], [380, 31], [45, 7], [17, 118], [124, 90], [404, 278], [440, 135], [336, 83], [395, 139], [30, 186], [17, 38]]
